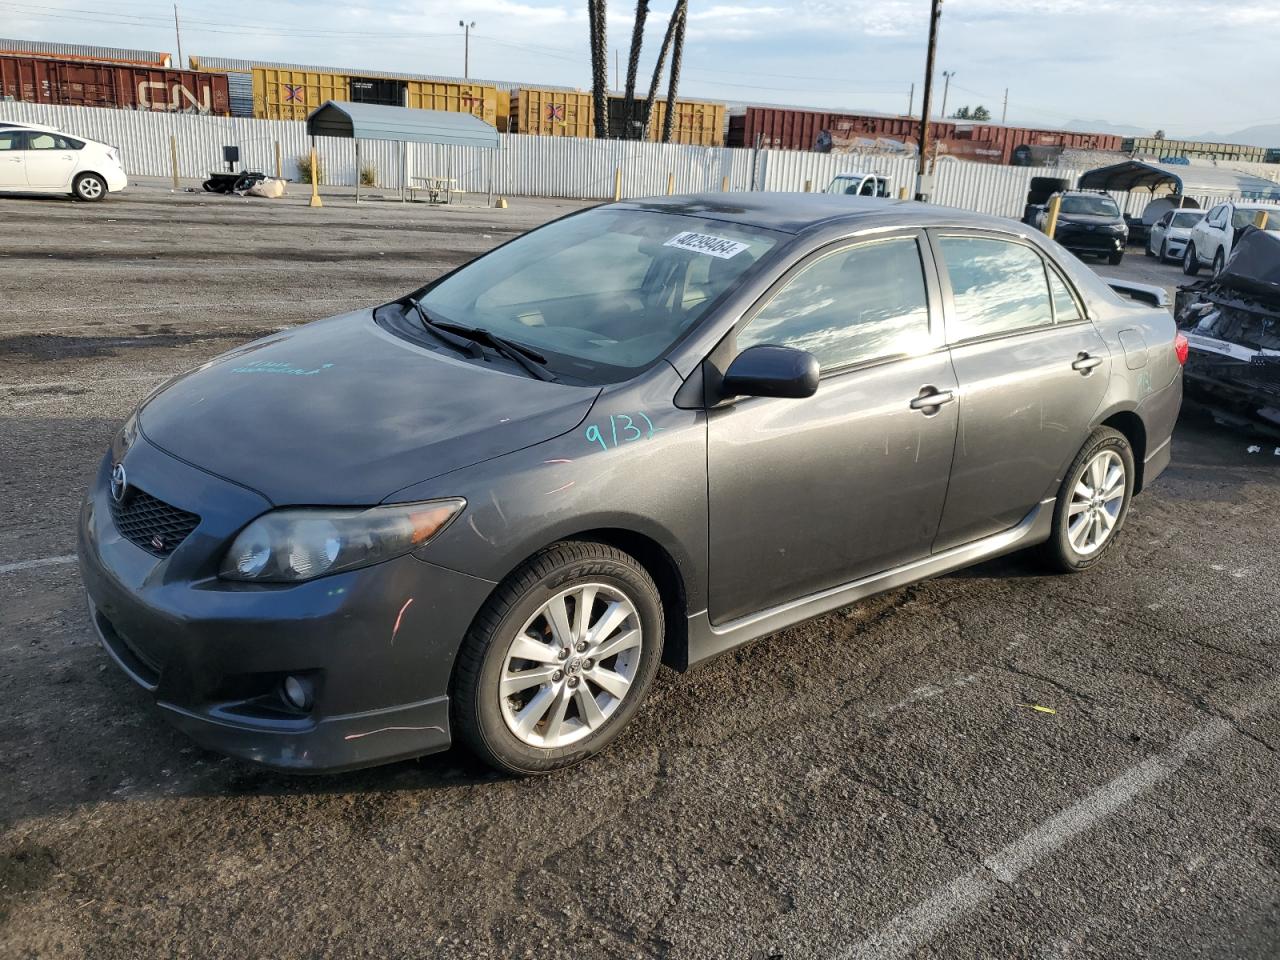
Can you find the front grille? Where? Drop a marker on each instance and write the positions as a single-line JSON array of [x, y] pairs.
[[152, 524]]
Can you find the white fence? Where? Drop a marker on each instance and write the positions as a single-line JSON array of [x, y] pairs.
[[524, 165]]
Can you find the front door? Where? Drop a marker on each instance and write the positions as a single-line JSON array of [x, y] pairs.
[[1032, 371], [13, 159], [51, 160], [809, 494]]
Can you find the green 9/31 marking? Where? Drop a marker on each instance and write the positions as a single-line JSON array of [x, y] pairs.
[[622, 430]]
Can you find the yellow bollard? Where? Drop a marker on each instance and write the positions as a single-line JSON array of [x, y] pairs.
[[724, 185], [279, 166], [1261, 219], [173, 156], [808, 186], [501, 204], [671, 184], [315, 186], [1051, 224], [902, 193], [617, 185]]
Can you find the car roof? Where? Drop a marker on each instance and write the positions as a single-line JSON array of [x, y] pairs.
[[800, 212], [14, 124]]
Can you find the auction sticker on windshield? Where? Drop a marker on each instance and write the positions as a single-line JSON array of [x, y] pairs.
[[694, 242]]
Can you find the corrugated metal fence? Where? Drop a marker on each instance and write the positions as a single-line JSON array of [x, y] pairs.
[[525, 165]]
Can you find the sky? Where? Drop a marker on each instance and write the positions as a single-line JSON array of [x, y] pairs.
[[1189, 67]]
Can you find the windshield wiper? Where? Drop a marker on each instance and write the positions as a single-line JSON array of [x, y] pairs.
[[442, 333], [468, 339]]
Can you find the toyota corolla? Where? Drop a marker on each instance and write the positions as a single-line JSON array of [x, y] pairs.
[[647, 432]]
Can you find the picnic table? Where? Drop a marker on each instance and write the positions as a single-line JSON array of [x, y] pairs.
[[434, 187]]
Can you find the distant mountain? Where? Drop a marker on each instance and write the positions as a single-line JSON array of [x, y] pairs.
[[1263, 135], [1101, 126]]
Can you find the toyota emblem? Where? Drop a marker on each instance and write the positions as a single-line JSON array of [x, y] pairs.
[[119, 483]]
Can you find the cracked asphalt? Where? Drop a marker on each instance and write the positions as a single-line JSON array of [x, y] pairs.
[[885, 781]]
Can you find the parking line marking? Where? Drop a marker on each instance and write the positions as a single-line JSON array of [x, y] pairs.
[[32, 564], [911, 929]]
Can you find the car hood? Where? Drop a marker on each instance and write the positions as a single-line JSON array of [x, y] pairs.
[[342, 412], [1090, 219]]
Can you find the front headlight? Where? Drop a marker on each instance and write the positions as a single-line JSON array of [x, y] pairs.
[[292, 545]]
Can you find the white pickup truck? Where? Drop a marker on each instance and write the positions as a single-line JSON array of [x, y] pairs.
[[859, 185]]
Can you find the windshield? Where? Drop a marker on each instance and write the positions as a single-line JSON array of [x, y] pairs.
[[603, 293], [1097, 206], [1187, 219]]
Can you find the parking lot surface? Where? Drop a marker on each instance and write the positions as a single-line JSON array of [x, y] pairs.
[[998, 763]]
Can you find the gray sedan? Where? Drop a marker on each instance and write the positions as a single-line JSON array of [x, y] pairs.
[[648, 432]]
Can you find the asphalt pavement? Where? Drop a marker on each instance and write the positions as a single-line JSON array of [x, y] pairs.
[[998, 763]]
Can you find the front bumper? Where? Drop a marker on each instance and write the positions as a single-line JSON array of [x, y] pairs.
[[375, 645], [1089, 241]]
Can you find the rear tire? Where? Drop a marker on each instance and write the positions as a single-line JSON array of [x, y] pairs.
[[1190, 261], [582, 702], [89, 187], [1092, 503]]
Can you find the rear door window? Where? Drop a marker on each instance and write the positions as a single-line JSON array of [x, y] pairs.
[[13, 140], [998, 287]]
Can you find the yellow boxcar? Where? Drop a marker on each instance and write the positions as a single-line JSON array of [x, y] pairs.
[[551, 113], [477, 99], [292, 94], [697, 122], [503, 100]]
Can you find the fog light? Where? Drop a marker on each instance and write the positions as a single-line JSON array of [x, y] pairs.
[[297, 692]]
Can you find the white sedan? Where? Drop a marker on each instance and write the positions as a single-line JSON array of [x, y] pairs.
[[1214, 237], [1168, 236], [44, 160]]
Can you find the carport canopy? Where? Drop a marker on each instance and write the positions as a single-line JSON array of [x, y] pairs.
[[372, 121], [1179, 179]]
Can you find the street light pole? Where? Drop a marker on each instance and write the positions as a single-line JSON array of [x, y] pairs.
[[923, 187], [466, 47]]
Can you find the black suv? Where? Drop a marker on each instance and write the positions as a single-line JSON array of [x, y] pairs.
[[1089, 223]]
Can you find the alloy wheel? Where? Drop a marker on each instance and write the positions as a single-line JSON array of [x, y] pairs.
[[1096, 502], [90, 188], [568, 670]]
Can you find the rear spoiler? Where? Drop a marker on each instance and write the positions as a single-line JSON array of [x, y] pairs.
[[1143, 292]]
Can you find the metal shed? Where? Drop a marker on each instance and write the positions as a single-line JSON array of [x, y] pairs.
[[370, 121], [1180, 180]]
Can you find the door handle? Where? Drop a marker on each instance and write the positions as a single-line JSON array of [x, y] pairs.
[[930, 399], [1085, 363]]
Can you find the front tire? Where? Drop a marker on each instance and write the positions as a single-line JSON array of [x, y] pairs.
[[1218, 262], [1115, 258], [1093, 502], [1164, 252], [1190, 261], [89, 187], [559, 659]]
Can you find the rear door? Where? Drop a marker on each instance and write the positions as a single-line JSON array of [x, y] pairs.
[[13, 159], [51, 159], [1032, 372], [806, 494]]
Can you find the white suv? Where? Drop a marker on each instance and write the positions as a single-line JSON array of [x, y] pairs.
[[43, 160], [1213, 238]]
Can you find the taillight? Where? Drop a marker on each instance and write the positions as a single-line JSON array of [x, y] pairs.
[[1181, 346]]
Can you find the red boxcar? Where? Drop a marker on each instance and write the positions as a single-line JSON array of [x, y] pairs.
[[782, 129], [80, 84]]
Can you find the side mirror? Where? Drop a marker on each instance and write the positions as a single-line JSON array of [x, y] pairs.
[[767, 370]]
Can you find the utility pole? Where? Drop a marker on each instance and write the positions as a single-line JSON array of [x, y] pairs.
[[911, 101], [177, 32], [466, 47], [617, 83], [923, 185], [946, 88], [1004, 111]]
